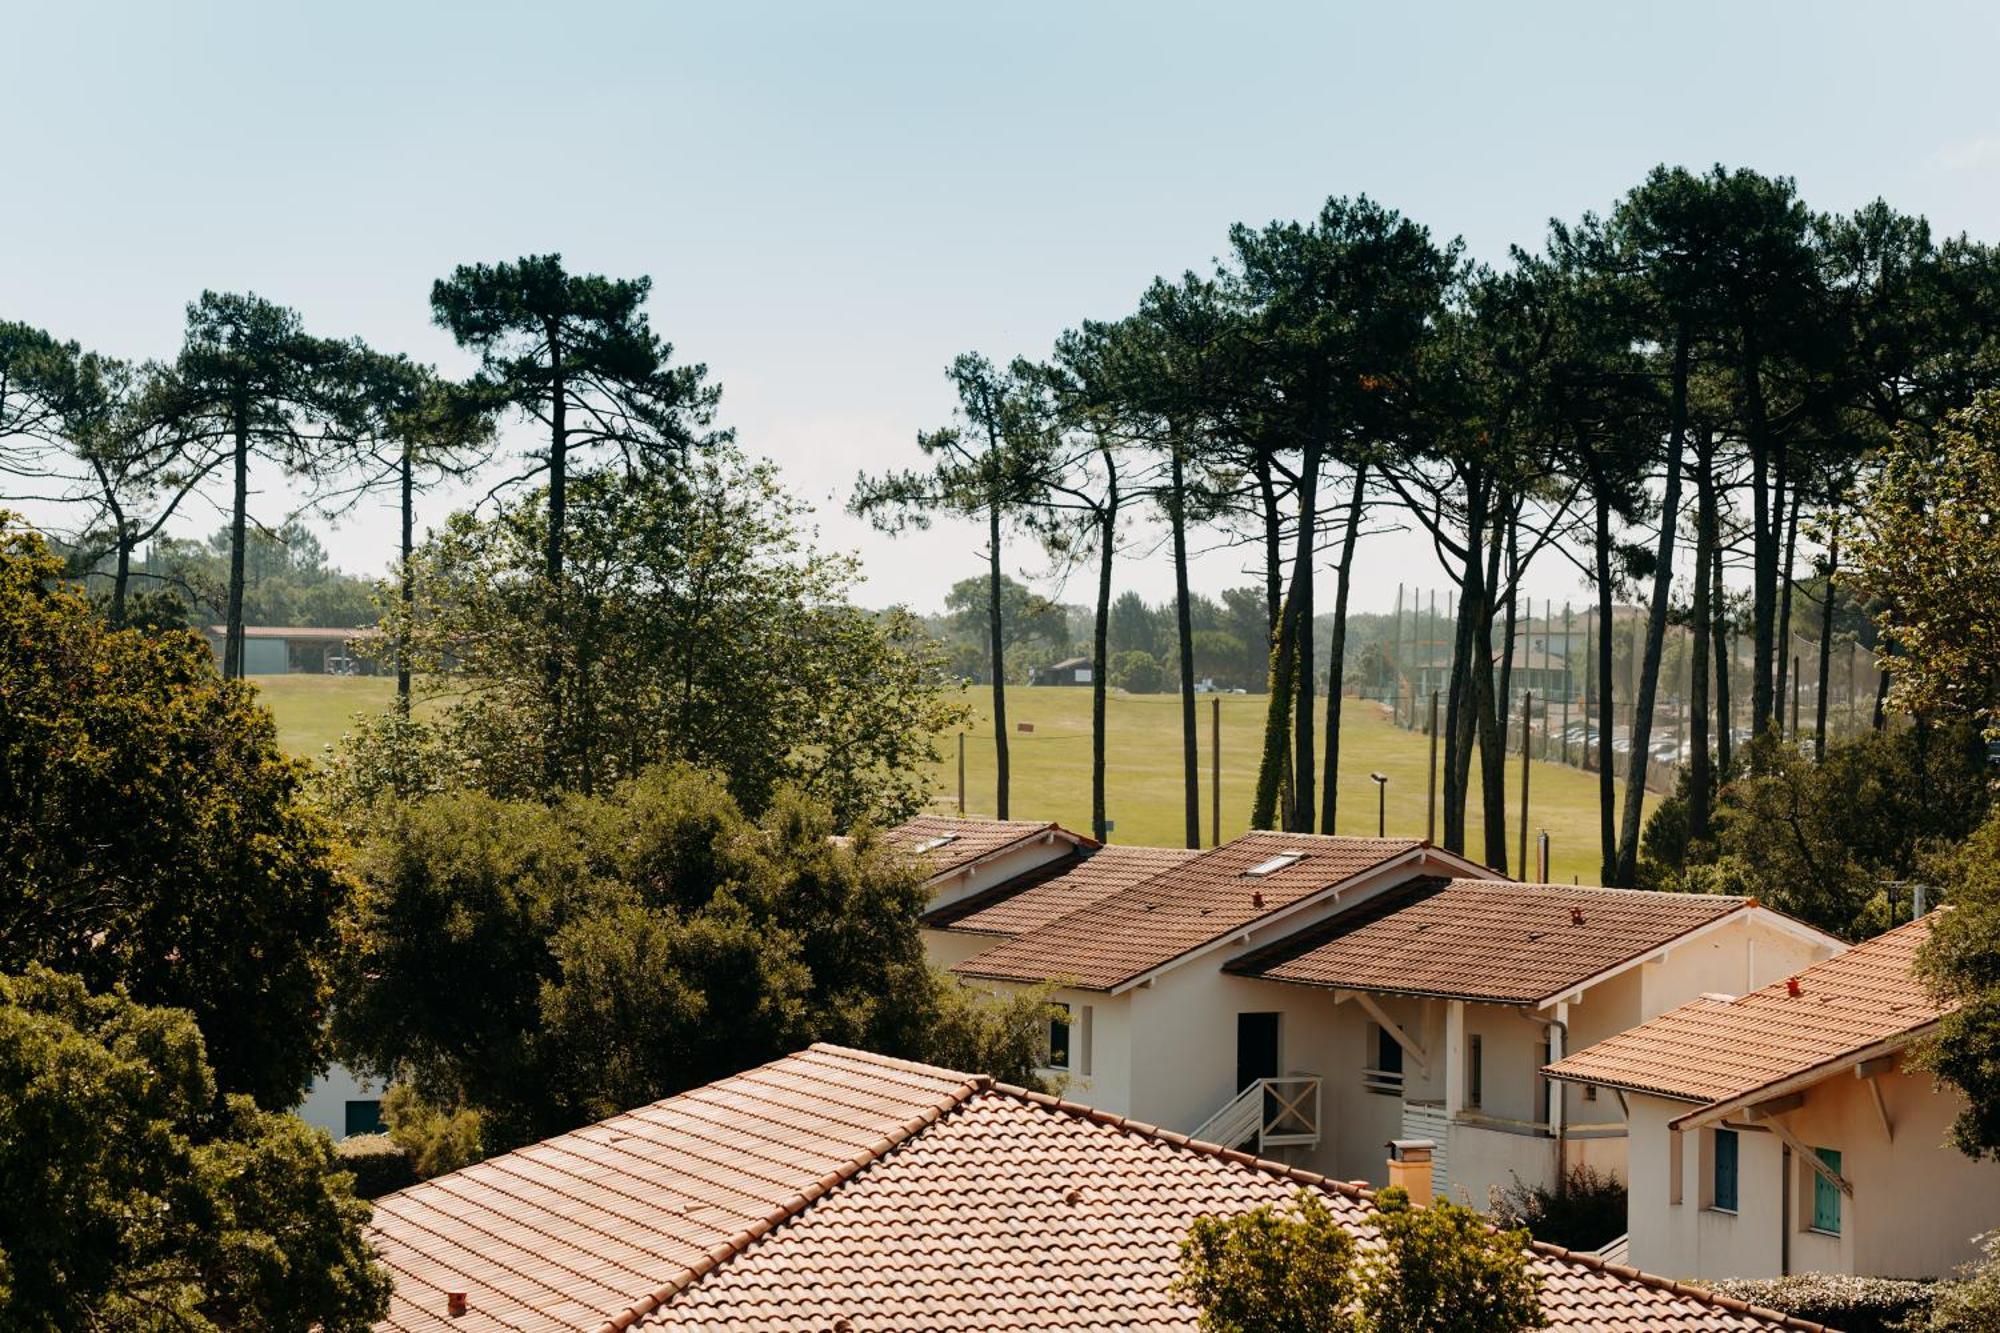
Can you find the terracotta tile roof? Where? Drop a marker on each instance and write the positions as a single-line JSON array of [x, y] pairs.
[[969, 839], [1714, 1050], [1032, 900], [1134, 931], [1493, 940], [574, 1231], [951, 1221]]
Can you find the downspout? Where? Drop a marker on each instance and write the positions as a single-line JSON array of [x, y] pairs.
[[1558, 1091]]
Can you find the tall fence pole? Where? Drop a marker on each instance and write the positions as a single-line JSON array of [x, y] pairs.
[[961, 773]]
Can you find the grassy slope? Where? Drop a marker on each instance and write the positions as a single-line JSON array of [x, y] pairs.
[[1052, 764]]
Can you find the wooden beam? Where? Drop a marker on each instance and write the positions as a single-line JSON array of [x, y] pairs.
[[1388, 1025], [1776, 1106], [1810, 1158], [1881, 1064], [1881, 1109]]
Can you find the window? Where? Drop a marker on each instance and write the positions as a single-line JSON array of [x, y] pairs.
[[1384, 1076], [1826, 1194], [1388, 1051], [1722, 1193], [1542, 1084], [1059, 1038], [364, 1117], [1275, 864], [1475, 1074]]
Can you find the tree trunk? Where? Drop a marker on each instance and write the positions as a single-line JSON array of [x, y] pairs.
[[994, 634], [1492, 731], [1107, 538], [1784, 635], [1700, 776], [408, 591], [1656, 627], [121, 577], [1305, 682], [1725, 714], [1336, 653], [1764, 543], [1268, 804], [232, 643], [552, 560], [1607, 791], [1184, 628], [1826, 642]]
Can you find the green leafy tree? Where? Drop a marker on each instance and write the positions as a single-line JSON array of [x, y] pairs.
[[155, 1203], [1961, 962], [693, 623], [575, 354], [1443, 1268], [544, 965], [1272, 1271], [1971, 1304], [1137, 672], [249, 383], [973, 470], [153, 834]]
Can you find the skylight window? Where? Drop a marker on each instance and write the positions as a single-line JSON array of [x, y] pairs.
[[932, 844], [1275, 864]]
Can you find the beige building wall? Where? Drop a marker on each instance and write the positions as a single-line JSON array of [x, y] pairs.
[[1917, 1203]]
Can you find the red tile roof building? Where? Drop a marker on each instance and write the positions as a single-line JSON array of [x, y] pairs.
[[839, 1190]]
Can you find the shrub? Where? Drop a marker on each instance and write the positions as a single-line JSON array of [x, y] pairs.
[[378, 1164], [1851, 1304], [1137, 672], [1972, 1303], [1585, 1211]]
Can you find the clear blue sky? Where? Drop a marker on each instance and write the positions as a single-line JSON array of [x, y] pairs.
[[834, 199]]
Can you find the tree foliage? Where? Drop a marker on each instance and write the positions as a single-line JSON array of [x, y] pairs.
[[154, 835], [693, 624], [1961, 961], [1441, 1268], [140, 1200], [547, 964]]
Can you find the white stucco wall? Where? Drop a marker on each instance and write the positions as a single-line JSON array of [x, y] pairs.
[[325, 1103], [1917, 1203]]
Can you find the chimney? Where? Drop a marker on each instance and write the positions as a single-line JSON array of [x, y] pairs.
[[456, 1303], [1410, 1167], [1792, 987]]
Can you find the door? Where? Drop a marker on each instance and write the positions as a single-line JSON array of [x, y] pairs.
[[1256, 1048]]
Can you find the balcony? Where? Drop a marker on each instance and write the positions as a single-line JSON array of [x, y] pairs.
[[1270, 1113]]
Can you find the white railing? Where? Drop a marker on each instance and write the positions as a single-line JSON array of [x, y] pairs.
[[1271, 1112]]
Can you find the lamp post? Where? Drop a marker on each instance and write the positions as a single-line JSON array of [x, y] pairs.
[[1381, 781]]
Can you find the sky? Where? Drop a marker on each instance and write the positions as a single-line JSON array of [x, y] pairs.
[[833, 199]]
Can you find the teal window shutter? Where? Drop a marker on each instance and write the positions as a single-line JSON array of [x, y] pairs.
[[1826, 1195], [1725, 1169]]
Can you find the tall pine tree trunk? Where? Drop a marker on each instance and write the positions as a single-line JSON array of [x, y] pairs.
[[408, 591], [1267, 807], [1304, 681], [1107, 538], [1184, 627], [1656, 627], [1725, 745], [1784, 664], [1336, 653], [1492, 730], [232, 644], [1700, 775], [995, 627], [1607, 791]]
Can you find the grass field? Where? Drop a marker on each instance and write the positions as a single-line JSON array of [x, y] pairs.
[[1143, 779]]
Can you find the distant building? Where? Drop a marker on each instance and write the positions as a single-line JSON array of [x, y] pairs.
[[1069, 671], [278, 650]]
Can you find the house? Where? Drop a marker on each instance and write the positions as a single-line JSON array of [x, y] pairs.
[[1781, 1130], [1319, 996], [838, 1190], [1069, 671], [276, 650]]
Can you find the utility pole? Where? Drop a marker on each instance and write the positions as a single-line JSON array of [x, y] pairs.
[[1527, 725], [1431, 819], [1215, 769], [961, 774]]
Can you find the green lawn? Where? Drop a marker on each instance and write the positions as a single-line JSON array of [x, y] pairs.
[[313, 711], [1143, 795], [1052, 763]]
